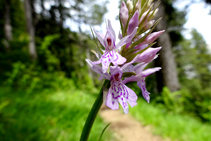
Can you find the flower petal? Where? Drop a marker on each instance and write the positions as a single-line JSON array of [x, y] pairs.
[[133, 23], [111, 30], [100, 37], [140, 67], [106, 60], [98, 69], [123, 97], [126, 39], [123, 14], [147, 72], [145, 93], [118, 59], [146, 56], [112, 100], [132, 97], [130, 79], [129, 68]]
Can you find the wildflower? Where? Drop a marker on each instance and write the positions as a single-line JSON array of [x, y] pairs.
[[140, 77], [119, 92], [121, 63]]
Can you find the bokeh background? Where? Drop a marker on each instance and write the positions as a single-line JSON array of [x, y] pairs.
[[47, 89]]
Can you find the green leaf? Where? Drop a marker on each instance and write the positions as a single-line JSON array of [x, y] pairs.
[[103, 131]]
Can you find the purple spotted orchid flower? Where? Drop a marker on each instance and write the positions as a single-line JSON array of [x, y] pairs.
[[119, 92], [110, 54]]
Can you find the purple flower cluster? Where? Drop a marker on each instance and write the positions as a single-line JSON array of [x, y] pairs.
[[125, 61]]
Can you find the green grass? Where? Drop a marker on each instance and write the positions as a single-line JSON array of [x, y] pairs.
[[46, 116], [172, 125]]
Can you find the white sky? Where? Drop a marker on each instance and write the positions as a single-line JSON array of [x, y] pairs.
[[198, 17]]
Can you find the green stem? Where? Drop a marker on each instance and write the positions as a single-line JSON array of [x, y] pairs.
[[93, 113]]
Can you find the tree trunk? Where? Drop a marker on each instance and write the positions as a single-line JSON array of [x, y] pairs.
[[7, 24], [168, 74], [30, 29], [61, 20]]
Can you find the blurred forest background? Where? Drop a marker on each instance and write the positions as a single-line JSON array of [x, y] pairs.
[[47, 89]]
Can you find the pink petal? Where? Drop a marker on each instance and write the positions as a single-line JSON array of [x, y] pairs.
[[153, 36], [147, 56], [132, 97], [130, 79], [123, 14], [140, 67], [129, 68], [147, 72], [105, 62], [118, 59], [145, 93], [112, 100], [111, 30], [98, 69], [126, 39], [133, 23], [123, 97], [100, 37]]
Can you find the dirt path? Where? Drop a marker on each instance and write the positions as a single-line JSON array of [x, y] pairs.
[[127, 128]]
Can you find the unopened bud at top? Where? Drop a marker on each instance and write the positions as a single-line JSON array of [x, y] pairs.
[[130, 5], [149, 24], [123, 14], [153, 13], [149, 3], [138, 6]]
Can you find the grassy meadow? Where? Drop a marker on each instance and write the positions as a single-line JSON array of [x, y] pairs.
[[46, 116]]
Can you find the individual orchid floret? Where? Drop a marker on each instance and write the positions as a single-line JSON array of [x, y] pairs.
[[140, 78], [149, 39], [119, 92], [123, 14], [108, 41]]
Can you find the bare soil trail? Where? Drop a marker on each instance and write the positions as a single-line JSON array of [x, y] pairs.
[[126, 128]]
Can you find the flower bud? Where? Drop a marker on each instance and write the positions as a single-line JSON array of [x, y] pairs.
[[153, 13], [138, 6], [149, 3], [143, 16], [147, 56], [149, 24], [149, 39], [123, 14], [130, 5], [133, 23]]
